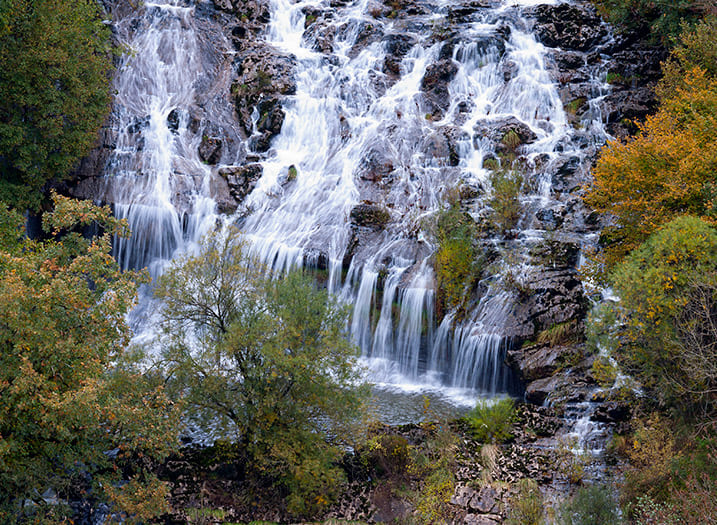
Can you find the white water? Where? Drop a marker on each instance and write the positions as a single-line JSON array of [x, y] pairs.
[[344, 110]]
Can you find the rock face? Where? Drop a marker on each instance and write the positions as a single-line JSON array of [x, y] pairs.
[[265, 75], [435, 86], [569, 27], [241, 179]]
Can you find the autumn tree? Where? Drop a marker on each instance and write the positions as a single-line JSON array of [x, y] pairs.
[[668, 290], [55, 63], [265, 363], [666, 171], [75, 413]]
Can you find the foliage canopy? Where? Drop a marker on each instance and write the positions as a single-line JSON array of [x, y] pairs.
[[668, 290], [54, 91], [666, 171], [266, 362], [73, 409]]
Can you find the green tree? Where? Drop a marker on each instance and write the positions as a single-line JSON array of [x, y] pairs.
[[591, 505], [266, 363], [75, 414], [662, 286], [664, 18], [55, 63]]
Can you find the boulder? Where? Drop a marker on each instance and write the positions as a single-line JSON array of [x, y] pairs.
[[435, 85], [396, 46], [502, 133], [539, 361], [368, 215], [210, 149], [241, 179], [568, 26], [264, 75], [376, 165]]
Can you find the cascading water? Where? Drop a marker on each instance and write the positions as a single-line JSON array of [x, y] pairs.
[[155, 177], [357, 132]]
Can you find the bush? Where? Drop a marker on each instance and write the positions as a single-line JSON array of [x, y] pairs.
[[603, 371], [265, 362], [492, 422], [591, 505], [457, 262], [526, 506], [70, 389], [667, 170], [504, 200], [673, 273], [663, 18]]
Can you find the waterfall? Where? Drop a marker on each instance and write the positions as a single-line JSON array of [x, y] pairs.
[[354, 133]]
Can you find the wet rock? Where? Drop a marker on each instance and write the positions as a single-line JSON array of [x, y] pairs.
[[271, 116], [568, 174], [624, 106], [241, 179], [362, 33], [396, 46], [376, 166], [210, 149], [254, 11], [442, 145], [482, 519], [568, 26], [178, 117], [539, 361], [263, 74], [320, 32], [505, 135], [369, 215], [551, 218], [435, 85], [612, 412], [556, 254], [539, 390], [220, 192]]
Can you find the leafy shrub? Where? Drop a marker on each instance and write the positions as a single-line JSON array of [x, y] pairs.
[[571, 463], [390, 454], [504, 200], [603, 371], [591, 505], [457, 261], [652, 451], [492, 422], [266, 363], [54, 91], [666, 171], [664, 18], [71, 389], [526, 506], [697, 49], [674, 272]]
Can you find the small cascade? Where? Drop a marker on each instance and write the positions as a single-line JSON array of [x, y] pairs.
[[155, 177], [389, 119]]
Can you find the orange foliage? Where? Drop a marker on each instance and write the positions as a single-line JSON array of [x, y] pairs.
[[669, 169]]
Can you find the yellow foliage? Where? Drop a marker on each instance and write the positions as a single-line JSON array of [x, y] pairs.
[[667, 170]]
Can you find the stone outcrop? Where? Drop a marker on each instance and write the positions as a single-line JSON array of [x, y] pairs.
[[241, 179], [567, 26], [435, 86]]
